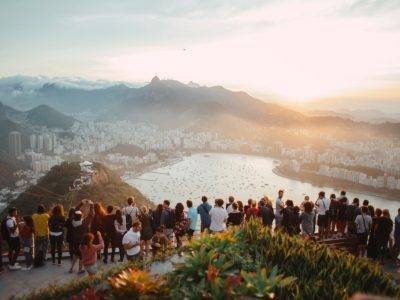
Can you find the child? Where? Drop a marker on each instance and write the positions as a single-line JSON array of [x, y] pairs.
[[89, 252], [26, 234], [159, 241]]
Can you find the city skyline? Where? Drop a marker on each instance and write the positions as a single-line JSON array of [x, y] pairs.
[[286, 50]]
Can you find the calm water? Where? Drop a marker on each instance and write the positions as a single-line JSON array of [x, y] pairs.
[[222, 175]]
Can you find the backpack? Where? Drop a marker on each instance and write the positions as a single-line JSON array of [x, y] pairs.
[[5, 232], [170, 219], [350, 213], [128, 218]]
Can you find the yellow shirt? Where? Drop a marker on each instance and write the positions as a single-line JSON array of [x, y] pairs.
[[41, 224]]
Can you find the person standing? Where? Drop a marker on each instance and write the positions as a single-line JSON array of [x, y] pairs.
[[156, 217], [192, 216], [267, 212], [341, 215], [69, 233], [180, 225], [343, 196], [235, 218], [146, 233], [363, 224], [332, 213], [228, 207], [26, 233], [382, 233], [218, 217], [131, 212], [322, 205], [120, 230], [167, 220], [131, 242], [252, 211], [307, 218], [56, 226], [204, 211], [11, 233], [97, 224], [109, 234], [41, 225], [396, 246], [80, 227], [279, 209], [351, 214]]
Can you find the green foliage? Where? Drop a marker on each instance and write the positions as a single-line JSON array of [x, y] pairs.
[[242, 263], [54, 188]]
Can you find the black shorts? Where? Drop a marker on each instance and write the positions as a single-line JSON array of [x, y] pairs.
[[362, 238], [323, 221], [75, 250]]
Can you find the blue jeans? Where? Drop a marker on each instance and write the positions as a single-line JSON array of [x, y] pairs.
[[28, 251]]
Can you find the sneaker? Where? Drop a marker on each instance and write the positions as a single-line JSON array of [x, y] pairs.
[[14, 267], [59, 264], [81, 272], [26, 268]]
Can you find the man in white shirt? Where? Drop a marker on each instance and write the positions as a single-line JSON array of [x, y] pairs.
[[131, 242], [279, 206], [363, 223], [322, 205], [229, 207], [218, 216], [131, 213]]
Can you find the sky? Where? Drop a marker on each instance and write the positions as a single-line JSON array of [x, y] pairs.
[[294, 50]]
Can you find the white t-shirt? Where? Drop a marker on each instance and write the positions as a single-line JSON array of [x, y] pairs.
[[278, 206], [218, 217], [131, 237], [133, 211], [229, 209], [323, 205], [360, 223], [11, 223]]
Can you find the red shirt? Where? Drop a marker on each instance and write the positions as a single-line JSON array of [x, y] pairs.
[[89, 253]]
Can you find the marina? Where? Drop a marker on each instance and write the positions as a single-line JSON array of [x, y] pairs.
[[219, 175]]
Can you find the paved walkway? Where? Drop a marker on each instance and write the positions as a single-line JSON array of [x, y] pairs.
[[19, 283]]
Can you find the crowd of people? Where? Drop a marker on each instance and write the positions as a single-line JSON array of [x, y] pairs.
[[138, 231]]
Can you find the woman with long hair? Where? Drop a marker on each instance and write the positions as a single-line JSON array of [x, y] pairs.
[[69, 227], [180, 225], [120, 230], [89, 252], [146, 233], [98, 222], [56, 226], [156, 217]]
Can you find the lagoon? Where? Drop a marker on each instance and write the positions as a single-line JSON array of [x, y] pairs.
[[219, 175]]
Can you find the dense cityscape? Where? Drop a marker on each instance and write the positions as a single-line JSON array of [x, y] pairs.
[[373, 163]]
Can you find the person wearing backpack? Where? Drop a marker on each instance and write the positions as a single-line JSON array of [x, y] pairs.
[[204, 211], [131, 213], [9, 231], [363, 224], [167, 219], [351, 213]]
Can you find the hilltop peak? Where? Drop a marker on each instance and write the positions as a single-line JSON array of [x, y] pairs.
[[155, 80]]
